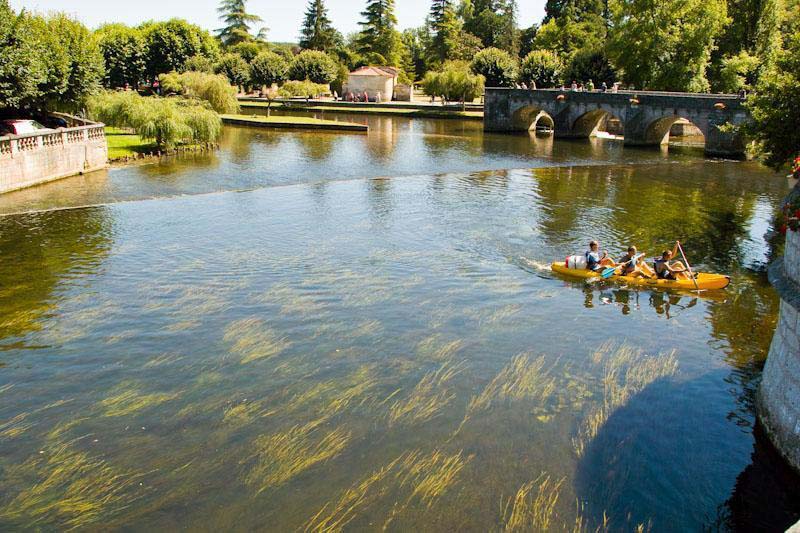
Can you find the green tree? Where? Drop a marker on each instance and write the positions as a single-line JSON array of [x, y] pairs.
[[579, 9], [199, 64], [509, 35], [445, 29], [379, 38], [541, 67], [737, 72], [768, 41], [665, 45], [497, 67], [455, 82], [592, 65], [526, 40], [247, 49], [213, 89], [317, 32], [773, 106], [171, 43], [237, 22], [267, 69], [482, 19], [235, 68], [570, 33], [416, 41], [313, 65], [123, 54], [21, 67]]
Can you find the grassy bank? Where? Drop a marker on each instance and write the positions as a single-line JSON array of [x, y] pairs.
[[292, 123], [122, 143], [393, 111]]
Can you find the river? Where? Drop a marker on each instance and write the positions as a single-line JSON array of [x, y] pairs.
[[316, 330]]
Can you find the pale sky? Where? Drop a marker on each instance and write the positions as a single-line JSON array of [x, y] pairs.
[[283, 18]]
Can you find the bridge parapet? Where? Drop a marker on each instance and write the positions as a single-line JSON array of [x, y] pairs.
[[646, 116]]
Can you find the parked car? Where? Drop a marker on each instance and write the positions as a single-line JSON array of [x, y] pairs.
[[20, 127]]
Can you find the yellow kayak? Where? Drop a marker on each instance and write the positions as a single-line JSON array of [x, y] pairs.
[[705, 281]]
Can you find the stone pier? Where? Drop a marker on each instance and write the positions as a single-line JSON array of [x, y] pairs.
[[779, 394]]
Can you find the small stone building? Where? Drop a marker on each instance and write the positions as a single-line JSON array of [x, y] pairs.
[[372, 80]]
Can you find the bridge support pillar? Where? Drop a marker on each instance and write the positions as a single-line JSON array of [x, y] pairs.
[[723, 139]]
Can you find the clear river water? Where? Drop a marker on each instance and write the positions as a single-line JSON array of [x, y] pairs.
[[323, 332]]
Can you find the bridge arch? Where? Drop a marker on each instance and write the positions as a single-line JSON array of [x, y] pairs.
[[658, 131], [590, 123], [530, 117]]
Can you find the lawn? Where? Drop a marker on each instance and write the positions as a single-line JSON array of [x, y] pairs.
[[292, 122], [122, 143], [410, 112]]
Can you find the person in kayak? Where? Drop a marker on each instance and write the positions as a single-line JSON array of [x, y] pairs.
[[594, 260], [666, 270], [630, 265]]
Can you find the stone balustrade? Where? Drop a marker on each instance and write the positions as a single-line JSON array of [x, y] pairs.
[[34, 158]]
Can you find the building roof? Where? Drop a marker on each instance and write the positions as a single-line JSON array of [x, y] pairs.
[[386, 72]]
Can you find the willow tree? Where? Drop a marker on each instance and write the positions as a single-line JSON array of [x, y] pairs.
[[237, 22], [379, 39], [317, 32]]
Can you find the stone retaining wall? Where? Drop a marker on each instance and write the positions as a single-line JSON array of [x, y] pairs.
[[31, 159], [779, 394]]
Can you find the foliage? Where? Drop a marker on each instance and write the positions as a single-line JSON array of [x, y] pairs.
[[379, 35], [268, 68], [51, 62], [167, 121], [124, 54], [590, 65], [774, 109], [248, 50], [211, 88], [170, 44], [541, 67], [237, 22], [21, 67], [313, 65], [415, 43], [768, 32], [235, 68], [737, 72], [199, 64], [304, 89], [482, 19], [665, 45], [526, 40], [496, 66], [455, 82], [317, 32], [467, 45], [570, 33], [445, 29]]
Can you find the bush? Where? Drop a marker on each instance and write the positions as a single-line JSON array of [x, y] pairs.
[[304, 89], [454, 82], [496, 66], [235, 68], [199, 64], [211, 88], [167, 121], [313, 65], [541, 67], [268, 68]]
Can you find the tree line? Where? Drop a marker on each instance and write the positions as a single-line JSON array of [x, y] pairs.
[[49, 61]]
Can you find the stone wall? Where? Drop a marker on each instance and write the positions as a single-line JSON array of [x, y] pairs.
[[31, 159], [371, 84], [779, 394]]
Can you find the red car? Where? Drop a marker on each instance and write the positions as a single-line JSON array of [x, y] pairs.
[[21, 126]]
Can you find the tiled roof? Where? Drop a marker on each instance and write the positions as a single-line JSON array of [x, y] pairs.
[[386, 72]]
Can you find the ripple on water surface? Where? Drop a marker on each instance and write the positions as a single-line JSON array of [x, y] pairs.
[[382, 353]]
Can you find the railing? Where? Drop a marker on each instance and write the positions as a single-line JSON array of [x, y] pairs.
[[29, 142], [719, 96]]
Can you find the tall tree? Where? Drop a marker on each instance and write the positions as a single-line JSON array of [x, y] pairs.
[[444, 28], [237, 22], [483, 20], [665, 45], [21, 67], [379, 39], [124, 54], [509, 36], [317, 32], [767, 42]]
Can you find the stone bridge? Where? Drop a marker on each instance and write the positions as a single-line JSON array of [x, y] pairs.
[[646, 117]]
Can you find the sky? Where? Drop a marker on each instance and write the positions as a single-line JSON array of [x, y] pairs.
[[282, 17]]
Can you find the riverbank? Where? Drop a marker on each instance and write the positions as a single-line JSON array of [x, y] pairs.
[[412, 110], [125, 147], [284, 122]]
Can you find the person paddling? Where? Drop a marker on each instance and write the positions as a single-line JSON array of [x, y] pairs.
[[594, 260], [633, 266], [670, 270]]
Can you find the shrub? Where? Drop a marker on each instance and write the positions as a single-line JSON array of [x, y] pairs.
[[497, 67], [313, 65], [211, 88], [541, 67], [235, 68], [304, 89], [199, 63], [167, 121], [268, 68]]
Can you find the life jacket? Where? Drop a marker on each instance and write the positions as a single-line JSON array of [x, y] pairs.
[[661, 273]]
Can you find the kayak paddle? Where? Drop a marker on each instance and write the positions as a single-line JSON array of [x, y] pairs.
[[608, 272]]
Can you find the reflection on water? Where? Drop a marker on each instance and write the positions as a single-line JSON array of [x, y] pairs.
[[385, 353]]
